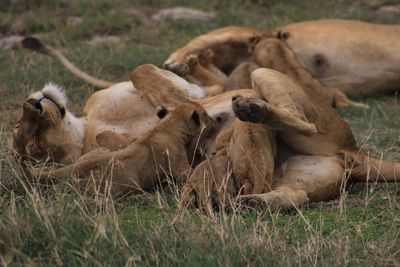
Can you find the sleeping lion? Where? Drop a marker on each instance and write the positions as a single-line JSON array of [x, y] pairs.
[[357, 57]]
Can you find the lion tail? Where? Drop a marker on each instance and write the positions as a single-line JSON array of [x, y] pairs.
[[36, 45]]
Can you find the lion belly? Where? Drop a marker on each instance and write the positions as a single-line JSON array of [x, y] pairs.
[[320, 177], [357, 57], [120, 109]]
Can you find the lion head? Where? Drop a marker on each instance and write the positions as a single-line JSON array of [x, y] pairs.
[[195, 118], [47, 130], [191, 120]]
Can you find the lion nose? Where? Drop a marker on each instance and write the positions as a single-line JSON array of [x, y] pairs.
[[35, 103]]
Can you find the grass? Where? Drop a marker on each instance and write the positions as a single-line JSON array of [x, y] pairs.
[[54, 225]]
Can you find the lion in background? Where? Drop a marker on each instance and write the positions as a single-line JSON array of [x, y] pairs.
[[359, 58]]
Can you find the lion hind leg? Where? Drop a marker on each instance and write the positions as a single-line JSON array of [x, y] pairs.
[[162, 88], [364, 168], [301, 179]]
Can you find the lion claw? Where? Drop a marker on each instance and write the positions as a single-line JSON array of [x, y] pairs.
[[248, 202]]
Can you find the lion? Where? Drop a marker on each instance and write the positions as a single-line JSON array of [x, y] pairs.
[[315, 135], [357, 57], [160, 152], [243, 165], [202, 71], [112, 117], [316, 151], [270, 53]]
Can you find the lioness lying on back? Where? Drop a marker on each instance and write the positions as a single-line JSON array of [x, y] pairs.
[[159, 153], [112, 117]]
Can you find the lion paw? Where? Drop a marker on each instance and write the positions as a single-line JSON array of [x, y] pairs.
[[249, 109], [259, 111], [192, 60], [245, 202], [207, 57], [181, 69]]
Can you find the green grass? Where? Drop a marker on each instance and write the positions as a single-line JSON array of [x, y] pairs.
[[54, 225]]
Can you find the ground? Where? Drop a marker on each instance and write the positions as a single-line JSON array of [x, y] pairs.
[[55, 225]]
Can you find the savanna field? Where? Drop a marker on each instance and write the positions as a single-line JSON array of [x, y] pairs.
[[57, 225]]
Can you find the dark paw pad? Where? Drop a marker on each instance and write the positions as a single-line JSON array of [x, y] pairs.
[[248, 109]]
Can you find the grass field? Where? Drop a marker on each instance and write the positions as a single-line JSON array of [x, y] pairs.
[[55, 225]]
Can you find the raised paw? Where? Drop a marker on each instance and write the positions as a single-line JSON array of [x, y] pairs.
[[259, 111], [249, 109], [181, 69]]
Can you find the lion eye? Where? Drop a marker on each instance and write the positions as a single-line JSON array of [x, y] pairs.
[[16, 126]]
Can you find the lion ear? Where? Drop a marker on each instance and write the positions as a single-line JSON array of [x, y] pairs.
[[253, 40], [196, 118], [161, 112], [282, 35]]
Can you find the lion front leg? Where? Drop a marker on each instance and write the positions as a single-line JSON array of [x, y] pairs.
[[211, 185], [281, 198], [211, 83], [225, 40], [252, 151]]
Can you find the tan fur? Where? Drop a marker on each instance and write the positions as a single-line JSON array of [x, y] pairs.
[[303, 123], [160, 152], [270, 53], [112, 117], [322, 149], [230, 46], [331, 144], [210, 182], [244, 164], [357, 57], [240, 76], [64, 139], [340, 53], [275, 54], [47, 130], [252, 152]]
